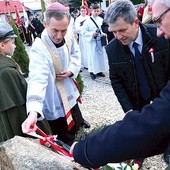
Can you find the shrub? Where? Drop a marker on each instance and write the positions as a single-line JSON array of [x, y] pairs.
[[20, 54]]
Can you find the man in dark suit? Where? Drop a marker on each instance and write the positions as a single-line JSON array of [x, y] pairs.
[[139, 134], [139, 62], [136, 80]]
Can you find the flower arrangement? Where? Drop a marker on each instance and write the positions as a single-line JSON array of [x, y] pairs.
[[127, 165]]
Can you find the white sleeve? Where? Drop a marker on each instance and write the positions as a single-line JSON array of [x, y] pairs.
[[37, 80], [88, 29], [75, 58], [77, 25]]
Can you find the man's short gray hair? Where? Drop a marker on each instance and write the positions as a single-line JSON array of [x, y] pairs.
[[58, 15], [121, 9]]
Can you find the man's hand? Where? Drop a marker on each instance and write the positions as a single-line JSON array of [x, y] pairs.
[[72, 147], [77, 165], [29, 125], [64, 74], [95, 34]]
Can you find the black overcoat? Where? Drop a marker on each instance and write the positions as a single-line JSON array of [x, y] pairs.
[[122, 68], [138, 135]]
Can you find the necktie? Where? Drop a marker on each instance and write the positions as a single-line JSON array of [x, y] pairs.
[[143, 83]]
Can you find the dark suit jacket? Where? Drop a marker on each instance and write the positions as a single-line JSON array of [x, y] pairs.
[[122, 69], [139, 134]]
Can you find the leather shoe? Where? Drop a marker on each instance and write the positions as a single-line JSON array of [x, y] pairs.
[[85, 124], [93, 76], [100, 74]]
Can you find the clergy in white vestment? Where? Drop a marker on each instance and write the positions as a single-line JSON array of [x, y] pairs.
[[52, 91], [78, 28], [91, 32]]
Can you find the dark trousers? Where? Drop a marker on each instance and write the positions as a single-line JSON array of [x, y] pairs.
[[28, 38], [139, 103], [59, 126]]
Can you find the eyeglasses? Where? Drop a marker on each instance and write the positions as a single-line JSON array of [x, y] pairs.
[[157, 19]]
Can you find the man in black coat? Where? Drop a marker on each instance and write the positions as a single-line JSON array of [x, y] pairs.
[[139, 134], [36, 26], [154, 58]]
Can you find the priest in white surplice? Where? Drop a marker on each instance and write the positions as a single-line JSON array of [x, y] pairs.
[[78, 27], [91, 32], [54, 63]]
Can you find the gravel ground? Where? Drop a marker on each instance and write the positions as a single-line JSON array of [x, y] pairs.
[[100, 106]]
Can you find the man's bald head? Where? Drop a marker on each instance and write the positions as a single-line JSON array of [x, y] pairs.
[[162, 2], [160, 16]]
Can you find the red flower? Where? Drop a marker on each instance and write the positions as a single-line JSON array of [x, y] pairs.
[[149, 8], [151, 50], [138, 162]]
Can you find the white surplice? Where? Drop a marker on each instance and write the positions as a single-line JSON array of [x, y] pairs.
[[97, 58], [78, 28], [42, 93]]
